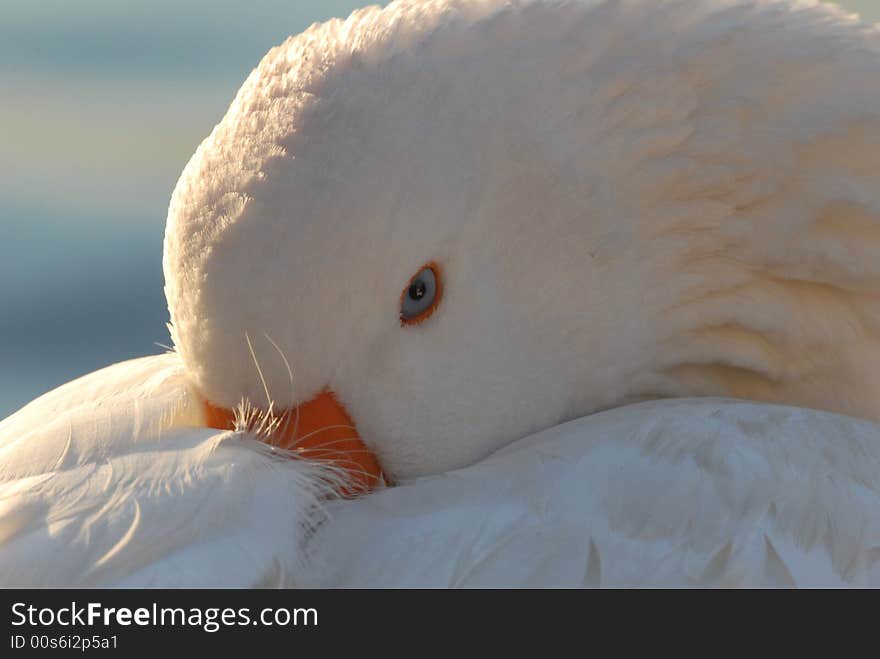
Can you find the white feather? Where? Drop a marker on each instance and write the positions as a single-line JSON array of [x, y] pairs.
[[679, 493], [628, 199], [102, 482], [700, 492]]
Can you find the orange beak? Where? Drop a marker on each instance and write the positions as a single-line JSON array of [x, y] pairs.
[[319, 429]]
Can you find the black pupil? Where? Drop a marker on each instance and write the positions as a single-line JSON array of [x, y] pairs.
[[417, 290]]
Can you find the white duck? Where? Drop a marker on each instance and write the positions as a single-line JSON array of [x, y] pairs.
[[453, 224]]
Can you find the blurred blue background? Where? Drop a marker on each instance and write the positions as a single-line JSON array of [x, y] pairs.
[[102, 104]]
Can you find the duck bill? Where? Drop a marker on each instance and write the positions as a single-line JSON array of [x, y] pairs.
[[320, 430]]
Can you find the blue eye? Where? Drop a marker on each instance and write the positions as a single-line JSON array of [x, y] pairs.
[[421, 295]]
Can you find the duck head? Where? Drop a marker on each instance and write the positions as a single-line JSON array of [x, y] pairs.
[[451, 224]]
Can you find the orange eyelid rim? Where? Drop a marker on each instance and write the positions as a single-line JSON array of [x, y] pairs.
[[427, 313]]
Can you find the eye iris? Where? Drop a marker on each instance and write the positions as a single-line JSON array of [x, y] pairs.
[[417, 290], [419, 298]]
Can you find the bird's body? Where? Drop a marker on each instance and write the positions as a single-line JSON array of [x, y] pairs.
[[125, 489], [113, 480], [603, 202], [699, 492]]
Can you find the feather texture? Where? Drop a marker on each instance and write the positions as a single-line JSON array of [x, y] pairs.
[[108, 481], [678, 493], [687, 493]]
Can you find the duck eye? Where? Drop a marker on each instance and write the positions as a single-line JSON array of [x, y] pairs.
[[421, 295]]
